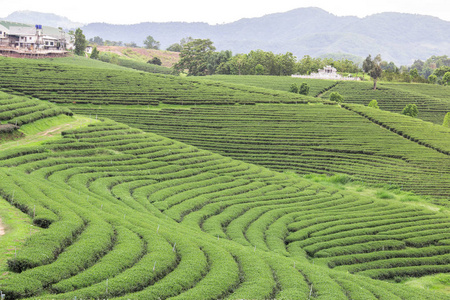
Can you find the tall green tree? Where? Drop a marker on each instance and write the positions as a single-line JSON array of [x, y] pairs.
[[194, 57], [373, 68], [446, 78], [151, 43], [95, 53], [218, 58], [177, 47], [432, 79], [96, 40], [80, 42]]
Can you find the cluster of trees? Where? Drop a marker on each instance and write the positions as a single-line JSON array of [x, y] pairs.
[[430, 71], [199, 57], [302, 89], [98, 41]]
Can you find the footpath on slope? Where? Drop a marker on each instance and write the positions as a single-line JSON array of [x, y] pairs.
[[2, 229]]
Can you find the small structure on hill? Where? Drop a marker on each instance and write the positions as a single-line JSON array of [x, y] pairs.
[[24, 40], [327, 72]]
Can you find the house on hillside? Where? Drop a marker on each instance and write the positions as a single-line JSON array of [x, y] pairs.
[[29, 37]]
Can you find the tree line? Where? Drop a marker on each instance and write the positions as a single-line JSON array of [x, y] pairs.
[[199, 57]]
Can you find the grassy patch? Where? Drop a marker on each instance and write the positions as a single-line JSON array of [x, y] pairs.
[[47, 129], [386, 192], [439, 282], [44, 124], [17, 228]]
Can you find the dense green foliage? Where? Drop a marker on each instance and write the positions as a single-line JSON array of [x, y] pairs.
[[410, 110], [446, 120], [194, 57], [319, 139], [80, 42], [18, 110], [151, 43], [130, 214], [194, 224], [95, 54], [373, 103], [336, 97], [69, 84]]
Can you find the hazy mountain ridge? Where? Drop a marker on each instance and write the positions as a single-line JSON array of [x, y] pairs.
[[398, 37], [48, 19]]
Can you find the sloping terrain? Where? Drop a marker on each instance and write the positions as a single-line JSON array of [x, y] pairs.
[[168, 58], [135, 215], [433, 101], [64, 84], [122, 213], [307, 139], [432, 106]]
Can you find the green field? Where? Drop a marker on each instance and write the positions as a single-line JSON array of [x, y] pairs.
[[193, 189], [433, 101]]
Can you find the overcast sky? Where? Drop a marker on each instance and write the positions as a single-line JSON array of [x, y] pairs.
[[213, 12]]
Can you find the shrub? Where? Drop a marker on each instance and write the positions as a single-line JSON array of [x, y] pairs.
[[304, 89], [410, 110], [293, 88], [373, 104], [155, 61], [432, 79], [335, 96], [8, 128], [446, 120]]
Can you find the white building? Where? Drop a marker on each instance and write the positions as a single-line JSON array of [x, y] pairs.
[[327, 72], [29, 37]]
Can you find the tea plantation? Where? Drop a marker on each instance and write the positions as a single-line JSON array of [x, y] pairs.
[[321, 139], [433, 101], [188, 202]]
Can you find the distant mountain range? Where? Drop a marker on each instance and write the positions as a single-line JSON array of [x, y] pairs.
[[398, 37], [52, 20]]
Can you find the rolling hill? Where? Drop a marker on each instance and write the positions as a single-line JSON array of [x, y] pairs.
[[207, 200], [400, 38]]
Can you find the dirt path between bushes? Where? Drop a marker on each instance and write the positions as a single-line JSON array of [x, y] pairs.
[[2, 229], [47, 134]]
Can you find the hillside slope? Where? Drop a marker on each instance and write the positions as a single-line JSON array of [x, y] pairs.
[[320, 139], [134, 215]]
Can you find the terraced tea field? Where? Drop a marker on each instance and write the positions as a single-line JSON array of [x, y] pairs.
[[64, 84], [433, 101], [307, 139], [190, 199], [16, 110], [134, 215], [394, 97], [281, 83]]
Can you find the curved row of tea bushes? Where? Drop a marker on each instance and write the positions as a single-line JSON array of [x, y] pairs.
[[68, 84], [19, 110], [187, 223], [308, 139]]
